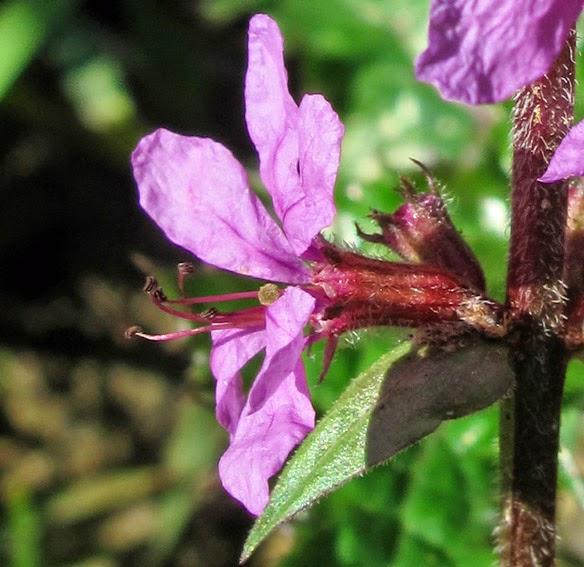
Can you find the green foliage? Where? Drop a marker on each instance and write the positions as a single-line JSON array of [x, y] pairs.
[[25, 26]]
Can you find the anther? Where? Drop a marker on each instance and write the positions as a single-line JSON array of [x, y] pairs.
[[268, 294], [152, 289], [159, 296], [184, 270], [150, 285], [174, 335], [131, 332], [209, 313]]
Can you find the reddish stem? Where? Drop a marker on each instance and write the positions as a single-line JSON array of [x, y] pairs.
[[536, 300]]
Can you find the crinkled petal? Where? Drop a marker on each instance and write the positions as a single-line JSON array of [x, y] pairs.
[[299, 148], [264, 440], [320, 136], [232, 349], [278, 413], [483, 51], [198, 193], [270, 111], [271, 114], [568, 159], [285, 322]]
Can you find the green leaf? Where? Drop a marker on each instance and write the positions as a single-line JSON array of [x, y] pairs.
[[24, 26], [402, 398]]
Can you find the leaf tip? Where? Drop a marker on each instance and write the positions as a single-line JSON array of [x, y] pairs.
[[250, 545]]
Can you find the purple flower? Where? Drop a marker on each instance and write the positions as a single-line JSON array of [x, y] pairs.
[[483, 51], [198, 193]]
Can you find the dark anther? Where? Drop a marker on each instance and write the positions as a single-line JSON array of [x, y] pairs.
[[153, 290], [150, 285], [159, 295], [131, 332], [185, 268], [209, 313]]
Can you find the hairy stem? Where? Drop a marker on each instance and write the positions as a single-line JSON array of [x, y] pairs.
[[536, 300]]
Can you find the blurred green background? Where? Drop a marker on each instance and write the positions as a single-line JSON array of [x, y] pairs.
[[108, 447]]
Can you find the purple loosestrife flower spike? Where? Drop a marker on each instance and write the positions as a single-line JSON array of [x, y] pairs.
[[198, 193], [483, 51]]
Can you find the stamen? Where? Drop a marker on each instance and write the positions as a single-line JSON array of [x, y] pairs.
[[268, 294], [210, 313], [252, 318], [131, 332], [137, 332], [215, 298], [196, 317], [159, 298], [150, 284], [152, 288], [213, 319], [184, 270], [249, 317]]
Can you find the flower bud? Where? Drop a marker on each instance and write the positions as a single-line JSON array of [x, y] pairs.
[[421, 231]]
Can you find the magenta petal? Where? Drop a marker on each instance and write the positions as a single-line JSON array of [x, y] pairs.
[[264, 439], [270, 112], [285, 322], [232, 349], [320, 136], [484, 51], [278, 413], [299, 148], [198, 193], [568, 159]]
